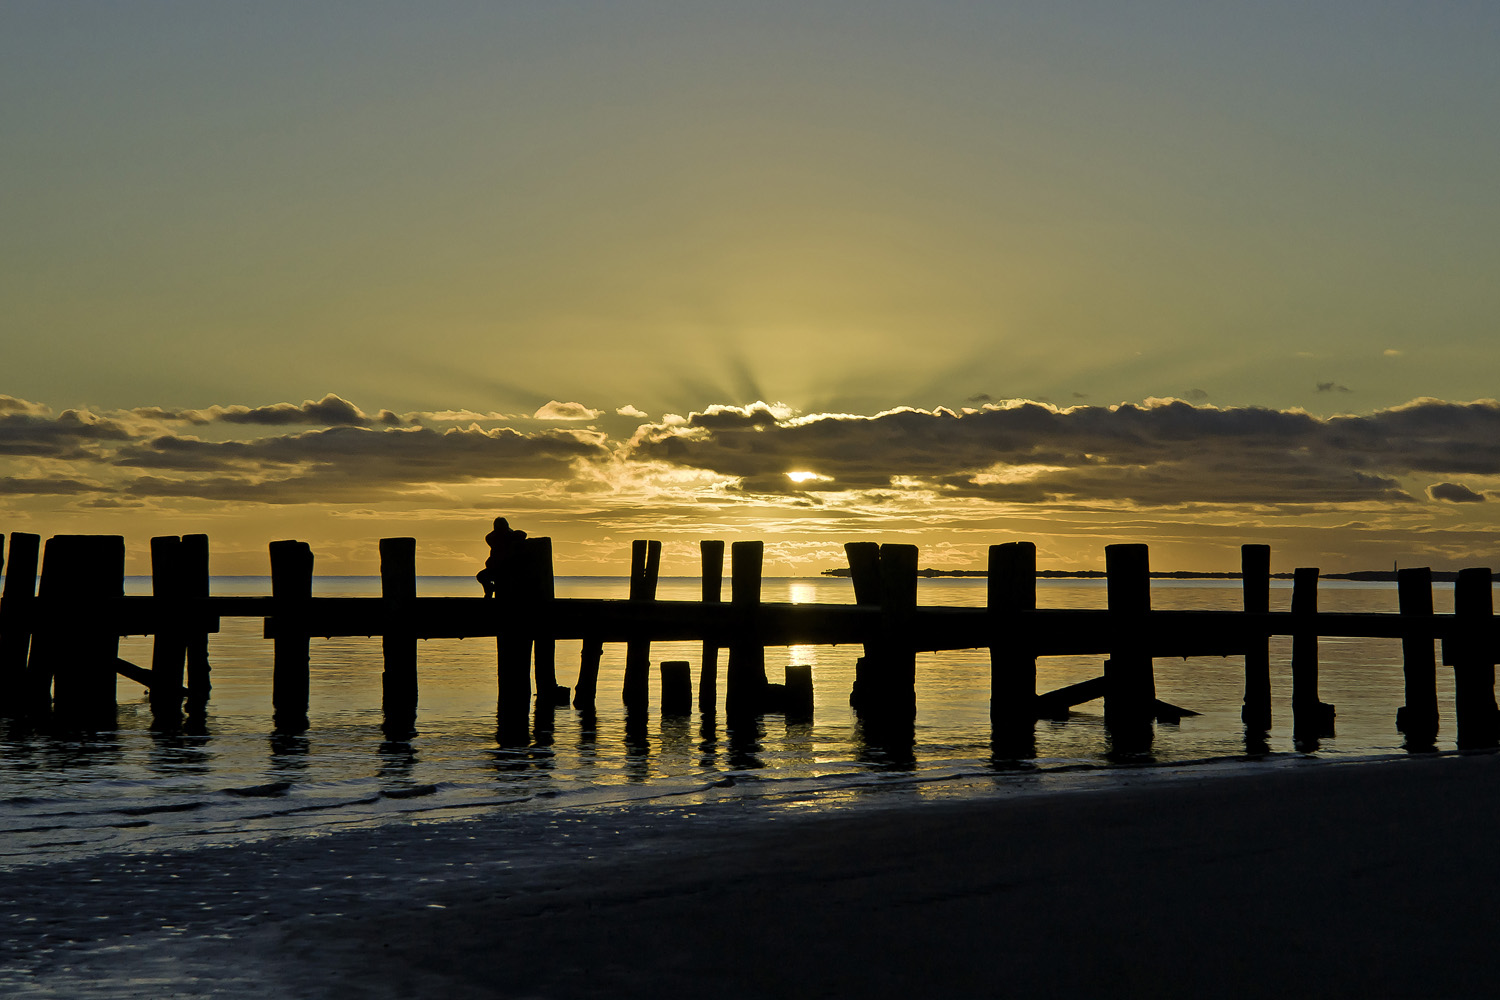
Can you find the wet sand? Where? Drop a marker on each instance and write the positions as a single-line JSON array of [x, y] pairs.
[[1318, 879]]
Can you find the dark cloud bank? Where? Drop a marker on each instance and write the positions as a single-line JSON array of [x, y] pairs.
[[1163, 453]]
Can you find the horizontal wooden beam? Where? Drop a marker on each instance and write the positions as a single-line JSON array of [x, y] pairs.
[[1046, 632]]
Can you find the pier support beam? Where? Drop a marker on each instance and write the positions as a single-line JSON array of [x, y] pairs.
[[291, 589], [1255, 583], [1418, 718], [398, 589], [1312, 718], [1473, 662], [645, 566], [15, 624], [897, 678], [169, 645], [541, 590], [80, 660], [1130, 685], [1011, 592], [193, 564], [746, 674], [864, 573], [713, 593], [676, 687]]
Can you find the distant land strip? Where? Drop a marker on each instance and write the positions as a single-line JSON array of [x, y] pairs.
[[1379, 575]]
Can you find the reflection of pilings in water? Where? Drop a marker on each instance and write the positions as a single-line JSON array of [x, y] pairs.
[[708, 742], [637, 747], [885, 744], [744, 736]]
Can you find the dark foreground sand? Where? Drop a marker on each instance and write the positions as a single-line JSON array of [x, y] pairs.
[[1319, 880]]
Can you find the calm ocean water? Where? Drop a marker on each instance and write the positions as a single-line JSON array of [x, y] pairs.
[[136, 789]]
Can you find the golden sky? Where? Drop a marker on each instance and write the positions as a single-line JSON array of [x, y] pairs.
[[1184, 273]]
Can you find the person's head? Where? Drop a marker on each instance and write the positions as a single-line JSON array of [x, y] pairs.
[[501, 524]]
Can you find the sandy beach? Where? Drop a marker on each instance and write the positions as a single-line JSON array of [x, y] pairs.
[[1330, 879]]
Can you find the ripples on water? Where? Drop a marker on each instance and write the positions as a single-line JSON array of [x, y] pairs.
[[139, 789]]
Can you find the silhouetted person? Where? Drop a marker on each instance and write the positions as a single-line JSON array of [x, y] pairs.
[[505, 549]]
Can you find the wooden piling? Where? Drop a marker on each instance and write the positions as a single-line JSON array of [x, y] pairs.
[[1130, 684], [588, 674], [896, 682], [1418, 718], [1255, 585], [193, 565], [713, 593], [80, 657], [864, 572], [676, 687], [398, 591], [799, 692], [541, 588], [1473, 665], [1311, 717], [15, 626], [645, 565], [169, 645], [746, 674], [291, 589], [1011, 591]]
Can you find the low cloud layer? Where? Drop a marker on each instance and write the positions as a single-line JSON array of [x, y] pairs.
[[1166, 453]]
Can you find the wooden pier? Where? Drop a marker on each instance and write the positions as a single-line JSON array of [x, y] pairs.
[[59, 639]]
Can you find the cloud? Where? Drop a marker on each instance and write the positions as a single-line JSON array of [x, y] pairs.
[[1195, 395], [631, 411], [1332, 387], [10, 404], [72, 434], [1391, 352], [1165, 453], [980, 397], [1454, 493], [330, 411], [565, 411]]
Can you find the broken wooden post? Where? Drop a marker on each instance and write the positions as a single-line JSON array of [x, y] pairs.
[[645, 564], [897, 667], [79, 573], [1473, 664], [713, 593], [541, 588], [1418, 718], [193, 565], [1311, 717], [864, 572], [1255, 584], [676, 687], [746, 673], [398, 591], [16, 605], [799, 692], [1011, 592], [169, 645], [1130, 685], [291, 589]]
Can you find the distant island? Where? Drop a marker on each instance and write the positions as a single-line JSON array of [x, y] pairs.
[[1376, 575]]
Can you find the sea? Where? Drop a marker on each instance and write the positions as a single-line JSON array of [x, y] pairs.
[[232, 779]]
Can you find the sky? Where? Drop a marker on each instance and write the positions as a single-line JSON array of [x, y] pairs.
[[953, 273]]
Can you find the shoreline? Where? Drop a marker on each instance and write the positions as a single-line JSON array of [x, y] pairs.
[[1344, 878]]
